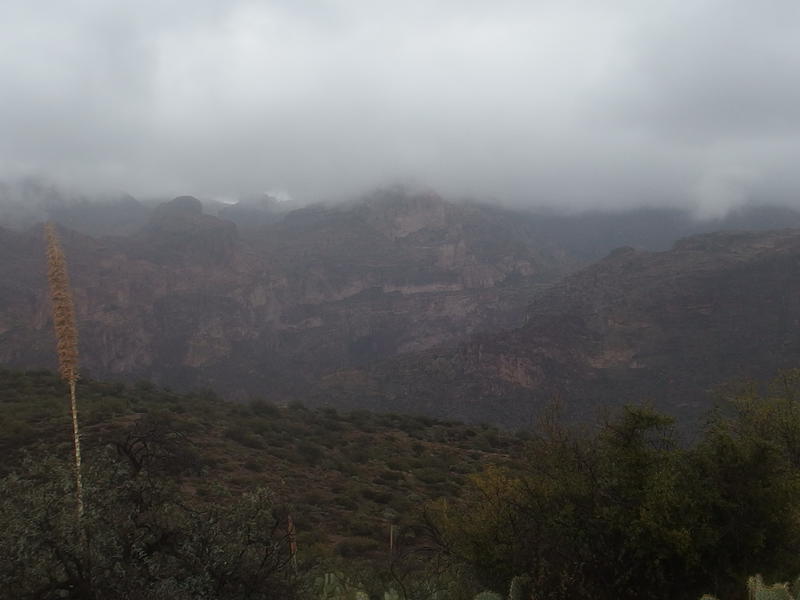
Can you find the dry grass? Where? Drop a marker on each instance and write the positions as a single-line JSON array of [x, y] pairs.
[[66, 339]]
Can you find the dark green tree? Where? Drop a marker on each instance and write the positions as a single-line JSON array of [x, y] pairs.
[[629, 512]]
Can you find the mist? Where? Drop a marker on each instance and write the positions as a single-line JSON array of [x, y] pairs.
[[569, 105]]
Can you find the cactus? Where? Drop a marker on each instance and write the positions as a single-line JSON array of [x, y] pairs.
[[332, 586], [758, 590], [520, 588]]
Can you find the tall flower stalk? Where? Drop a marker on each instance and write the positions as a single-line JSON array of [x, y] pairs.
[[66, 340]]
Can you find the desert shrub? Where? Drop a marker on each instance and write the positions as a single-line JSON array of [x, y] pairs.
[[262, 408], [358, 525], [103, 409], [380, 497], [15, 432], [347, 502], [311, 453], [260, 425], [389, 476], [430, 475], [356, 547], [609, 515], [256, 466], [138, 538], [358, 455], [245, 437], [396, 464], [144, 387], [330, 413]]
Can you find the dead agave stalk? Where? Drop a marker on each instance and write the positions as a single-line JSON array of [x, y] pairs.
[[66, 339]]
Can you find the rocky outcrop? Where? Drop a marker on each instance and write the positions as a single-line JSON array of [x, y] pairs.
[[395, 302], [661, 327], [188, 300]]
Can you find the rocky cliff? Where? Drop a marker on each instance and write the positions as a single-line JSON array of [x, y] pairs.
[[664, 327], [188, 300]]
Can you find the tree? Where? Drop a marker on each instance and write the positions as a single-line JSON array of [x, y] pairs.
[[629, 513]]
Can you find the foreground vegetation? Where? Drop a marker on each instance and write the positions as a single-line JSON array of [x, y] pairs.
[[187, 496]]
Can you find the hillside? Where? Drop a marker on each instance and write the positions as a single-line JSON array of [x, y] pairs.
[[187, 300], [189, 496], [406, 301], [344, 477], [665, 327]]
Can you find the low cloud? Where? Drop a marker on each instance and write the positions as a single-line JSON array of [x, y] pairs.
[[570, 104]]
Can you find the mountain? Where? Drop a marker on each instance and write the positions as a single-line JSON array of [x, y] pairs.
[[27, 201], [405, 301], [664, 327], [587, 236], [253, 212], [591, 235], [189, 300]]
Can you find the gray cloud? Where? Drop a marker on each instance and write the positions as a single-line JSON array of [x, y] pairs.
[[561, 103]]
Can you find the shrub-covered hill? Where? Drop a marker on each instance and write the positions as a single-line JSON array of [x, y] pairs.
[[344, 478], [176, 506]]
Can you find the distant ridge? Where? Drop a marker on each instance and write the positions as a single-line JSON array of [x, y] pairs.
[[405, 300], [189, 300], [664, 327]]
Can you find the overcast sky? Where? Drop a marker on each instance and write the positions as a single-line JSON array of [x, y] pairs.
[[689, 102]]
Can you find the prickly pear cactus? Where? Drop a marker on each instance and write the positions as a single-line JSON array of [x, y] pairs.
[[520, 588], [758, 591], [333, 586]]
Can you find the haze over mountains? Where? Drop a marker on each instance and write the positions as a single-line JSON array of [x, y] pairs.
[[413, 300], [662, 327], [187, 300], [404, 301]]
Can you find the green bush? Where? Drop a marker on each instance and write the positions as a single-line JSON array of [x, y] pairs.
[[609, 515], [139, 537], [356, 547]]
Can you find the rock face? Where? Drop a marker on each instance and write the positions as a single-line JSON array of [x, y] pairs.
[[406, 302], [188, 300], [663, 327]]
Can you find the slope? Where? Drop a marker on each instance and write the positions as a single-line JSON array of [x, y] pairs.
[[666, 327]]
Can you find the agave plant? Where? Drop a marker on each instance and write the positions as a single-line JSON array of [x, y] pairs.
[[66, 340]]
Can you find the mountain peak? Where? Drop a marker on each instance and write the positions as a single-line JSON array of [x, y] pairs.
[[182, 205], [180, 229]]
